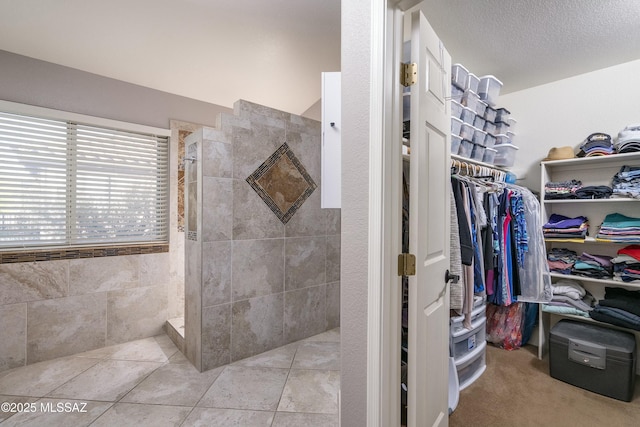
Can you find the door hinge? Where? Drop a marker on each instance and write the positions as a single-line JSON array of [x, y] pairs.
[[406, 265], [408, 74]]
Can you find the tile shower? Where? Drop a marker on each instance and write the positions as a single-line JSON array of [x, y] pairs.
[[252, 282], [262, 258]]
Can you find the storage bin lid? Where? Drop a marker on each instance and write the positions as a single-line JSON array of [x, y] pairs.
[[619, 344], [491, 77], [501, 146], [460, 65]]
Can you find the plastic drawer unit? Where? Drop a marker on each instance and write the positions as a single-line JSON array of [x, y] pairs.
[[456, 324], [595, 358], [471, 367], [464, 341]]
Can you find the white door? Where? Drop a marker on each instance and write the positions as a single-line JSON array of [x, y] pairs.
[[428, 340]]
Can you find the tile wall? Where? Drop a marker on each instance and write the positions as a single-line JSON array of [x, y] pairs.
[[255, 283], [50, 309]]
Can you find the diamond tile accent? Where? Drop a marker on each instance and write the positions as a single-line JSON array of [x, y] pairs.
[[282, 183]]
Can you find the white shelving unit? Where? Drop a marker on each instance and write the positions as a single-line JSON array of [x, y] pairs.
[[591, 171]]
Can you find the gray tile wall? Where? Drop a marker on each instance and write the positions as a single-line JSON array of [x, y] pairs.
[[260, 284], [50, 309]]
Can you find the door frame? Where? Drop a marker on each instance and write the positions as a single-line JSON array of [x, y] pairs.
[[384, 311]]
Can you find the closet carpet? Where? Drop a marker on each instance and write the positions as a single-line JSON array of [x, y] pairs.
[[517, 390]]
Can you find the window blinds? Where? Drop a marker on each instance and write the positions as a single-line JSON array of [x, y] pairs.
[[64, 183]]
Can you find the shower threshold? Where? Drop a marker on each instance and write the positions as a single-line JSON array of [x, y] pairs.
[[175, 330]]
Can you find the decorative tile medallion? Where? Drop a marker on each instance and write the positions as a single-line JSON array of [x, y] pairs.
[[282, 182]]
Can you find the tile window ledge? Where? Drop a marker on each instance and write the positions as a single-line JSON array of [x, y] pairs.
[[56, 254]]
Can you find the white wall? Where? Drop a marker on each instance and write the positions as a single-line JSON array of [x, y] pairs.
[[356, 59], [565, 112]]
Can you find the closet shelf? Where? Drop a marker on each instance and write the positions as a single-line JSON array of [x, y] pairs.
[[584, 162], [590, 320], [590, 240], [592, 280], [598, 170], [611, 200]]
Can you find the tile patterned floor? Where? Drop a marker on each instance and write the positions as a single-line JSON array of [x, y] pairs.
[[150, 383]]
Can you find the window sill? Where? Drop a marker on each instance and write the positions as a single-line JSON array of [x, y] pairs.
[[56, 254]]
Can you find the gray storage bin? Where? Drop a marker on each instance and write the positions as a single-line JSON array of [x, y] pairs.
[[467, 115], [456, 124], [593, 357], [465, 149], [455, 143], [477, 153], [459, 75], [456, 109]]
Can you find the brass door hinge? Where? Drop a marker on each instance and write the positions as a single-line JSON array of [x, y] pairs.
[[406, 265], [408, 74]]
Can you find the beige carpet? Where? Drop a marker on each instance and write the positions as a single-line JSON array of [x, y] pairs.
[[517, 390]]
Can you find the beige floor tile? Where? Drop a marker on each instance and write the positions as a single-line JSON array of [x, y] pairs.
[[207, 417], [332, 335], [135, 415], [59, 413], [144, 350], [318, 355], [313, 391], [240, 387], [14, 401], [173, 384], [297, 419], [108, 380], [281, 357], [41, 378]]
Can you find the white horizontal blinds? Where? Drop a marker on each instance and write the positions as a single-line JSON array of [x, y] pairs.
[[33, 181], [120, 186], [64, 183]]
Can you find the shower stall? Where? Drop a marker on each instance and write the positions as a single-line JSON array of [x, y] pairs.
[[261, 258]]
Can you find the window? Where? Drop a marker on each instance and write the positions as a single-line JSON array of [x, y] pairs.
[[69, 181]]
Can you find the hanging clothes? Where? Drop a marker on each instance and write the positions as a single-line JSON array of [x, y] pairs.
[[503, 253]]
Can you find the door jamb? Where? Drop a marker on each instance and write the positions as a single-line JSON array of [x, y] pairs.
[[385, 217]]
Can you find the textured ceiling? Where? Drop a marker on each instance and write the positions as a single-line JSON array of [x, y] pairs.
[[273, 51], [526, 43]]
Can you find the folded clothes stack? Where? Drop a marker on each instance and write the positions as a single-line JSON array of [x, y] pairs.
[[626, 266], [619, 307], [563, 227], [596, 144], [594, 266], [561, 189], [620, 228], [628, 140], [561, 260], [626, 183], [569, 297]]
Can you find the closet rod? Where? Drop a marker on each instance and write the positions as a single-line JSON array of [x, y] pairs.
[[472, 168]]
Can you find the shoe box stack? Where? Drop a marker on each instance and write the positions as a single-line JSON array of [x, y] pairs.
[[480, 130], [468, 346]]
